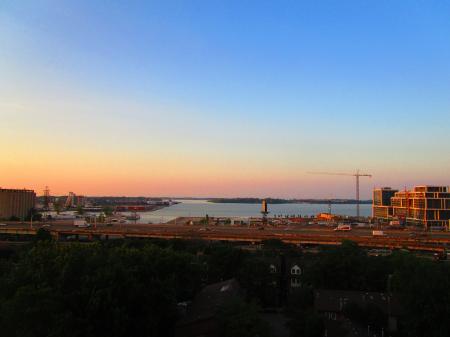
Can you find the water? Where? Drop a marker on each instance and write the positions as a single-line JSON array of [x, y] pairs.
[[202, 207]]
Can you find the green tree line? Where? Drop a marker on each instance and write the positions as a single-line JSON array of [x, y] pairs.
[[131, 288]]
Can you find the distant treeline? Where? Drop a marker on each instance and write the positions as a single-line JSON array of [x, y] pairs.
[[286, 201]]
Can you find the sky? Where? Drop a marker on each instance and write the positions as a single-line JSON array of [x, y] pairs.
[[223, 98]]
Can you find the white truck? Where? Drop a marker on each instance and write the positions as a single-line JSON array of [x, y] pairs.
[[378, 233], [81, 223], [394, 223], [343, 227]]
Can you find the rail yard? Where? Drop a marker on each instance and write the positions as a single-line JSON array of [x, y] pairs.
[[300, 235]]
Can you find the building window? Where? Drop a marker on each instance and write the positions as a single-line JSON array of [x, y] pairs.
[[295, 282], [295, 270], [273, 269]]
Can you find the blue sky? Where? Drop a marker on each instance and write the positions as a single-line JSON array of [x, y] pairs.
[[225, 97]]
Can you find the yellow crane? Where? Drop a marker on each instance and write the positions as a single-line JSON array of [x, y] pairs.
[[357, 175]]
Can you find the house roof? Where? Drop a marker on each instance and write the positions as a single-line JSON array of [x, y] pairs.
[[210, 299], [335, 300]]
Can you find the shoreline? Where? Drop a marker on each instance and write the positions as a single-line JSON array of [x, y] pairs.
[[288, 201]]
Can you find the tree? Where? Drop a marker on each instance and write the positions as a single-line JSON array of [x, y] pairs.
[[43, 235], [33, 213], [424, 288], [304, 321], [80, 210], [369, 314], [58, 205], [224, 262], [275, 244], [108, 210], [95, 290], [237, 318], [347, 267], [307, 324], [260, 284]]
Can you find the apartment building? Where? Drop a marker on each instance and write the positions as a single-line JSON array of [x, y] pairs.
[[16, 203], [381, 207], [428, 206]]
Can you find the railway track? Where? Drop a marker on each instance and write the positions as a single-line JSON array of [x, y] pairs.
[[431, 244]]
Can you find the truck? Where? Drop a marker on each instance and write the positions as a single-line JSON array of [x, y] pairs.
[[377, 233], [343, 227], [81, 223], [395, 223]]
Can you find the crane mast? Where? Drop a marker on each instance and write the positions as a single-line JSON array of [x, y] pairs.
[[357, 175]]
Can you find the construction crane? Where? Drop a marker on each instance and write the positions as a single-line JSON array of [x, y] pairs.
[[357, 175]]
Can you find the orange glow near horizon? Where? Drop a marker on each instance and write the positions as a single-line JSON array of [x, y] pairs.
[[115, 178], [180, 171]]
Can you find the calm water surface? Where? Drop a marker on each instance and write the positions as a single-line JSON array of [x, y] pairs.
[[203, 207]]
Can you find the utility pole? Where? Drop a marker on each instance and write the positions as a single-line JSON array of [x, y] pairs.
[[357, 194], [46, 202]]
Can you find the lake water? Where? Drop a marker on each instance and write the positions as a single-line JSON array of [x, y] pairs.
[[202, 207]]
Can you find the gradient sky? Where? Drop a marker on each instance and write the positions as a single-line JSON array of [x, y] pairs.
[[223, 98]]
